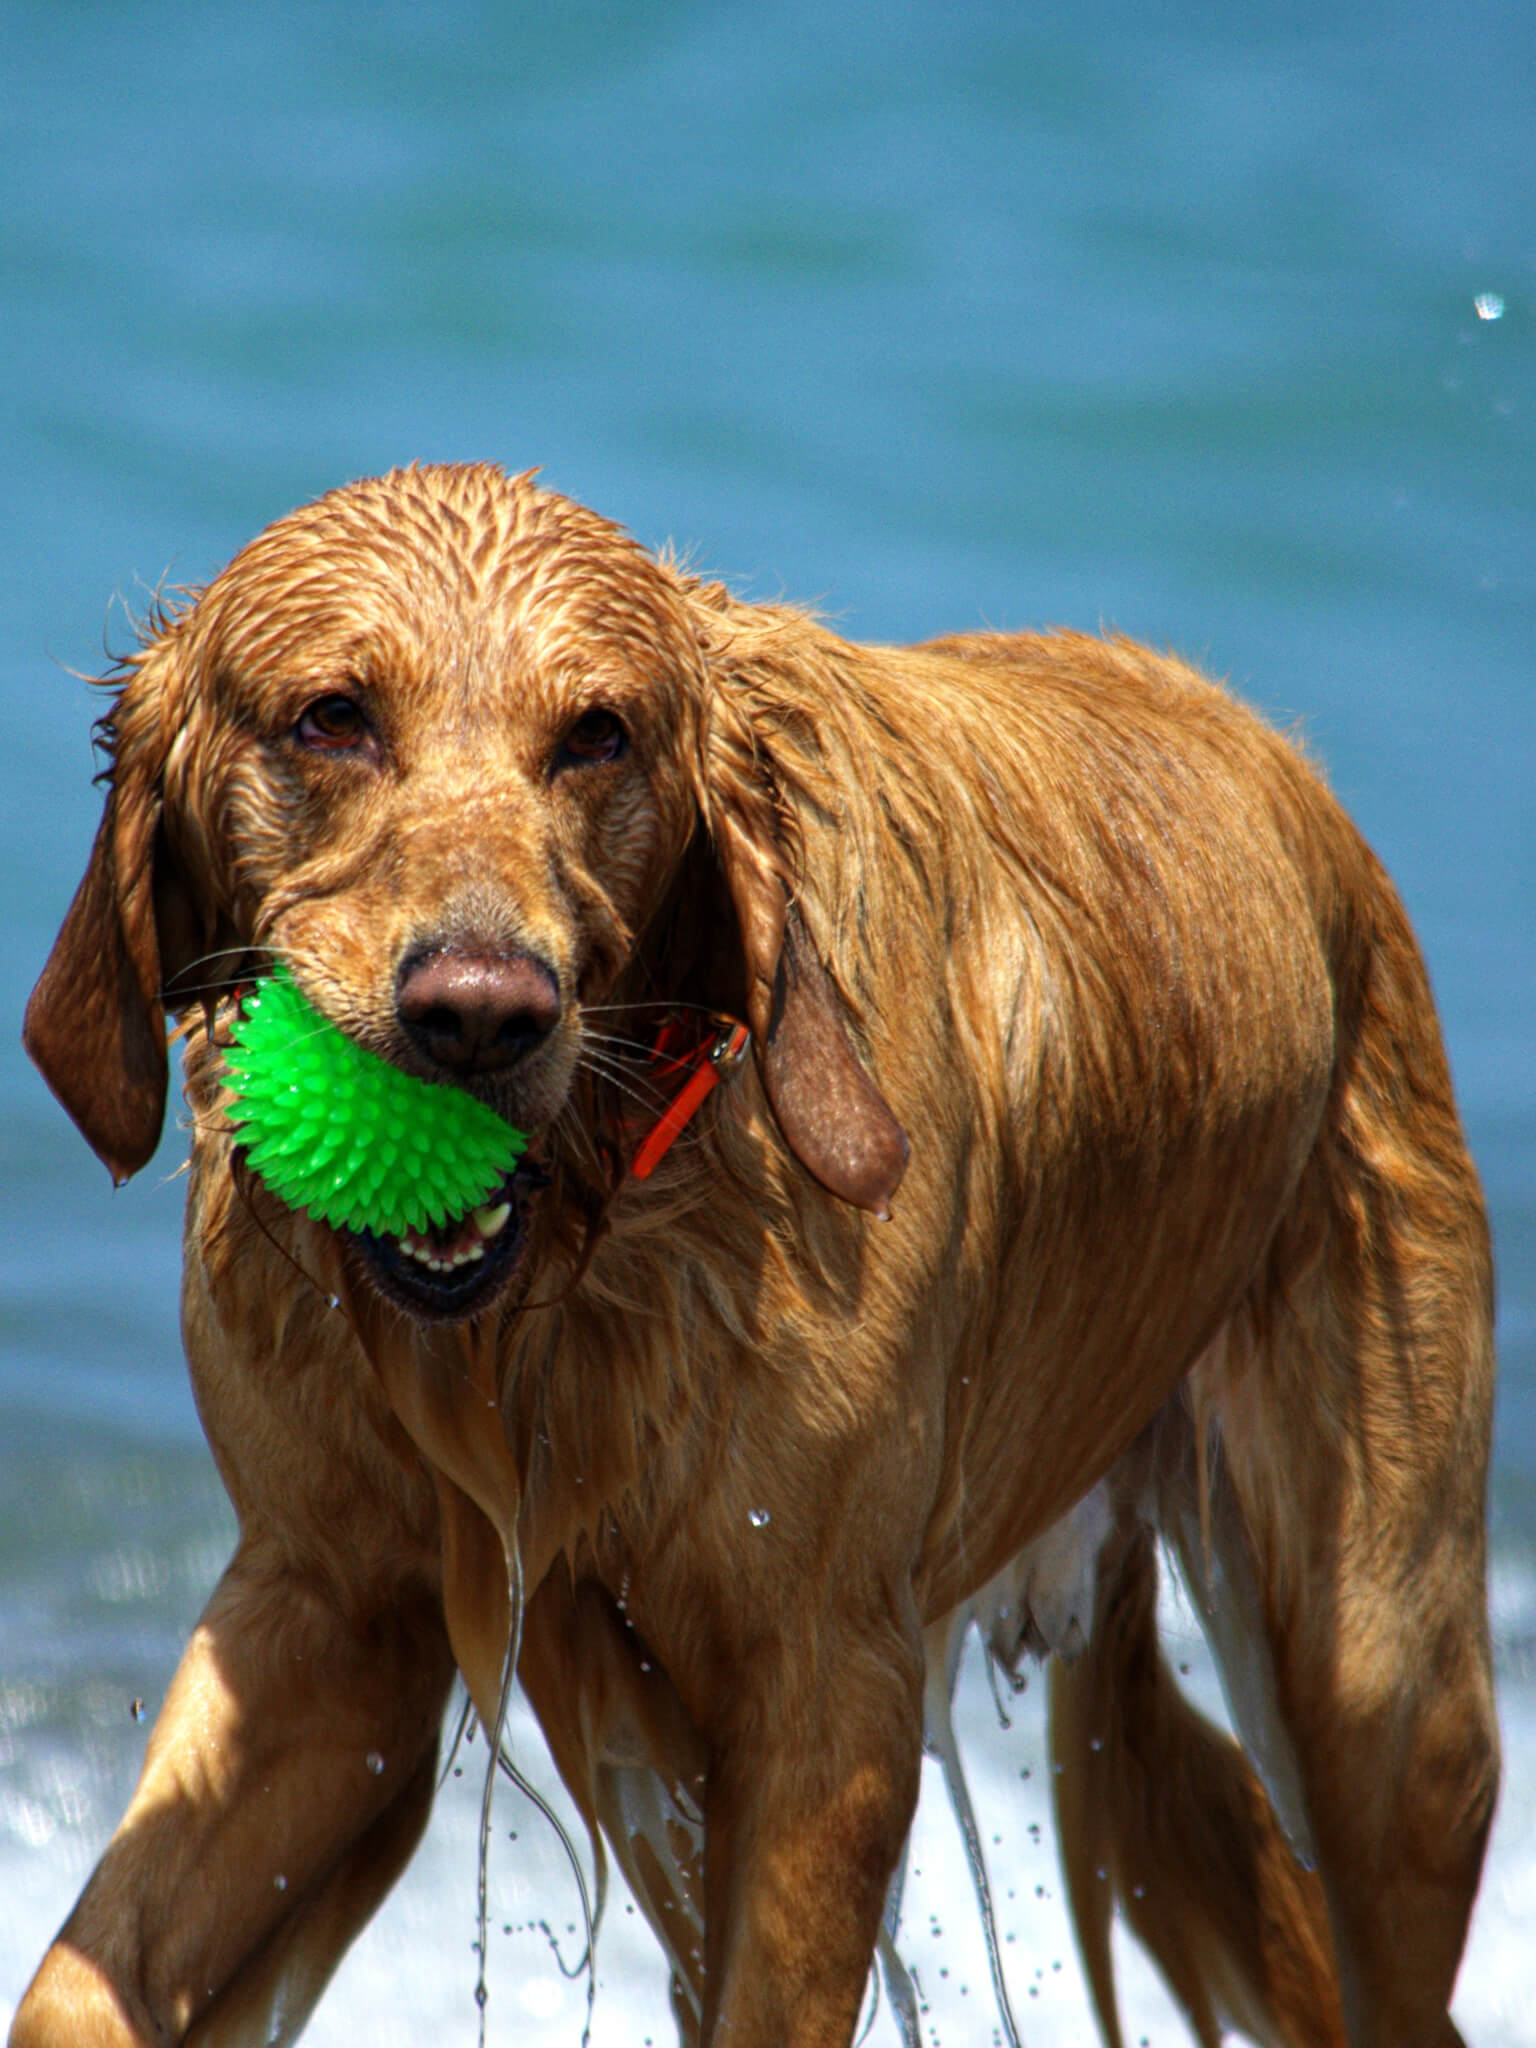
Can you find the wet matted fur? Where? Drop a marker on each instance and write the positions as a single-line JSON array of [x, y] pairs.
[[1096, 1173]]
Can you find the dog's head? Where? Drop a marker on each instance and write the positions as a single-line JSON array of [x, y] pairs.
[[459, 752]]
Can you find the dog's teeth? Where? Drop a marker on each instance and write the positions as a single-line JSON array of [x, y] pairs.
[[438, 1260]]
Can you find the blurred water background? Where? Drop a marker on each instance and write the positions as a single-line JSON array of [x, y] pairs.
[[1211, 324]]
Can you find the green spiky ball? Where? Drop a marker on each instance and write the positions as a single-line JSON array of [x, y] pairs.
[[341, 1134]]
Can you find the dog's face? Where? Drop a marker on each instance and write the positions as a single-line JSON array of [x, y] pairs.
[[441, 742], [445, 735]]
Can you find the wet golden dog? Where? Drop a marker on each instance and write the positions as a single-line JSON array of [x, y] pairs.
[[1095, 1173]]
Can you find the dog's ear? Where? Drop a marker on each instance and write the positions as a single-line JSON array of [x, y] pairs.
[[833, 1117], [95, 1025]]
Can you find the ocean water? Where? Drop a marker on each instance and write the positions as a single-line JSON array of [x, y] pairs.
[[1215, 325]]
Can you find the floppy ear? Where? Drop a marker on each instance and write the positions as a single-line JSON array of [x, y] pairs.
[[95, 1025], [833, 1117]]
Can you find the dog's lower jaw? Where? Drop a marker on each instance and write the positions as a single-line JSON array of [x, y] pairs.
[[453, 1285]]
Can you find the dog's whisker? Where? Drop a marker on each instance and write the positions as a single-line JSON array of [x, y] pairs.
[[645, 1096], [217, 953], [570, 1126], [612, 1039], [674, 1004]]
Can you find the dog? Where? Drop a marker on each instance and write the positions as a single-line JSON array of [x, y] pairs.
[[1093, 1179]]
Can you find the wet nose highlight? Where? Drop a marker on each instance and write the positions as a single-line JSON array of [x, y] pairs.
[[475, 1012]]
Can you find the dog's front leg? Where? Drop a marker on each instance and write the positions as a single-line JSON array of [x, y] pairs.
[[286, 1782], [811, 1793]]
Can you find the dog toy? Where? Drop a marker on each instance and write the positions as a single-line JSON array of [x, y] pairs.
[[351, 1140]]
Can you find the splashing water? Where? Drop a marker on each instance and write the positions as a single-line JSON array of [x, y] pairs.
[[488, 1790]]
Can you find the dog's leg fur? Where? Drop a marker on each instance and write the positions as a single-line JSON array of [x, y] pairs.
[[1353, 1403], [270, 2000], [287, 1781], [819, 1814], [1159, 1812]]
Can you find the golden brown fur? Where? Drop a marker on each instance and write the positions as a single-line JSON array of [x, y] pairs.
[[1187, 1211]]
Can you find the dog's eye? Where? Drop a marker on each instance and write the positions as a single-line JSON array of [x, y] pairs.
[[596, 736], [332, 723]]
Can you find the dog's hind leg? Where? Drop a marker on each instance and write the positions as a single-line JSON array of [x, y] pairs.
[[1352, 1402], [1365, 1533], [1159, 1812]]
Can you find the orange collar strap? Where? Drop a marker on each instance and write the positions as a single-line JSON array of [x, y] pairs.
[[702, 1068]]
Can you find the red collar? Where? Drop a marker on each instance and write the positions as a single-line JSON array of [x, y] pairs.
[[701, 1068]]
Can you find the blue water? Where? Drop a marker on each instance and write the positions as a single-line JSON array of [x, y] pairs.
[[1217, 325]]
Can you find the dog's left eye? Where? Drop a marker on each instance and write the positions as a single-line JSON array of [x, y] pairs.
[[596, 736], [332, 723]]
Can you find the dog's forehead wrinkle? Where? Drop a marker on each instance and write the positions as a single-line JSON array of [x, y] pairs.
[[463, 590]]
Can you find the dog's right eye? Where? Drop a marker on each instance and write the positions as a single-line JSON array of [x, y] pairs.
[[332, 723]]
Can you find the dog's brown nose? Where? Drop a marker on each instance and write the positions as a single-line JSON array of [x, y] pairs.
[[476, 1013]]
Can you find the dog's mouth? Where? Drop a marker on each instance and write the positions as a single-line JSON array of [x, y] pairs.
[[449, 1273]]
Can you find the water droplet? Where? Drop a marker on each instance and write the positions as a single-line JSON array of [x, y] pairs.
[[1102, 1874], [1489, 306], [1095, 1743], [280, 1883], [374, 1762], [759, 1517], [333, 1301], [136, 1709], [1138, 1891]]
